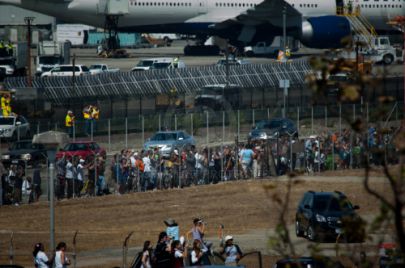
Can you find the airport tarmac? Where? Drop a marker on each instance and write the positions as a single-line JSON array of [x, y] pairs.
[[88, 56]]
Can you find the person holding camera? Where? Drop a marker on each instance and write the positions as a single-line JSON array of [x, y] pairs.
[[231, 251]]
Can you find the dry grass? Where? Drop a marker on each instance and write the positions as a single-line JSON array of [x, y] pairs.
[[104, 222]]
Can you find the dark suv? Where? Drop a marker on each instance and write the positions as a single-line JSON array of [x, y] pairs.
[[328, 214], [272, 129]]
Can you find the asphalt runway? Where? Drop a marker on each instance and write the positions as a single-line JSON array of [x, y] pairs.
[[88, 56]]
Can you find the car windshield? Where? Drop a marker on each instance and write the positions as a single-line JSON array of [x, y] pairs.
[[266, 124], [145, 63], [76, 147], [342, 204], [85, 69], [6, 62], [161, 65], [321, 202], [22, 145], [7, 121], [95, 67], [164, 137], [51, 60]]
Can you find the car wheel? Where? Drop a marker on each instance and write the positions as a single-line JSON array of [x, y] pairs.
[[388, 59], [298, 229], [311, 233]]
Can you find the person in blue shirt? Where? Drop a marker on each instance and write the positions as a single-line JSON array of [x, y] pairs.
[[246, 159]]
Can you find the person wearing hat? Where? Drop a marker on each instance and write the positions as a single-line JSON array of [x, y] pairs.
[[172, 229], [69, 122], [231, 251]]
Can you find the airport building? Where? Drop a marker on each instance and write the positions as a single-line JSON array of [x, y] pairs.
[[14, 28]]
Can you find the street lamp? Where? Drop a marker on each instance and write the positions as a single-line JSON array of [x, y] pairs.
[[28, 21], [51, 141]]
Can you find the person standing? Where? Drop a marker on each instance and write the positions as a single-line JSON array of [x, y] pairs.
[[27, 189], [146, 254], [36, 180], [69, 177], [61, 260], [60, 174], [95, 115], [147, 172], [87, 119], [18, 182], [69, 122], [232, 252], [40, 258], [80, 177], [179, 254]]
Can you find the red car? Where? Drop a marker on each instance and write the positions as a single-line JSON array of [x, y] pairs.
[[82, 149]]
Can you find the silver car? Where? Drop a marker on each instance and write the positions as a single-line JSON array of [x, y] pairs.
[[14, 127], [168, 141]]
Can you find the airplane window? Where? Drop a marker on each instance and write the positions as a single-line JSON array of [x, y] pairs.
[[240, 4], [316, 5], [300, 5]]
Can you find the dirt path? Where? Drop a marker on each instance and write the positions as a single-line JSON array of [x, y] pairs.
[[246, 208]]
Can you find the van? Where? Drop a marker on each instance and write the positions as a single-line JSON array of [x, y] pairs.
[[158, 63], [67, 70]]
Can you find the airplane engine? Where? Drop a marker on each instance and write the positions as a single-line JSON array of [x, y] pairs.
[[325, 32]]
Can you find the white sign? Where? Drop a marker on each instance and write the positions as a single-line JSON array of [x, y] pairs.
[[284, 83]]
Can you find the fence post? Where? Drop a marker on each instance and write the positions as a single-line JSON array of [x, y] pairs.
[[333, 155], [74, 132], [125, 250], [207, 129], [312, 119], [192, 124], [351, 150], [11, 249], [126, 132], [175, 122], [396, 111], [326, 116], [253, 117], [340, 119], [143, 130], [38, 127], [222, 146], [91, 129], [56, 126], [109, 135], [238, 124], [160, 122], [298, 119], [74, 249], [354, 112], [268, 113]]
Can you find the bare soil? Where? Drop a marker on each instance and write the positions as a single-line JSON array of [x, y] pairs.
[[104, 222]]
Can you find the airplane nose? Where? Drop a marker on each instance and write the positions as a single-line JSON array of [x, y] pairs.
[[11, 2]]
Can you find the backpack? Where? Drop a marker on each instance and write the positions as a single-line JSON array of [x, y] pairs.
[[137, 262]]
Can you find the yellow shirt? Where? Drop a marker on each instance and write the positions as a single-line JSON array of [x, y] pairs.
[[86, 115], [69, 120], [95, 114]]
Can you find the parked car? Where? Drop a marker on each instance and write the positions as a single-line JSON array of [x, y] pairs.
[[232, 62], [218, 96], [312, 262], [67, 70], [158, 63], [328, 214], [82, 149], [102, 68], [168, 141], [270, 129], [12, 127], [24, 151]]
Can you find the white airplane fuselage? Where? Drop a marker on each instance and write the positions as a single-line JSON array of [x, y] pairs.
[[175, 15]]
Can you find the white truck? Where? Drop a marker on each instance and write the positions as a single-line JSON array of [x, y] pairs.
[[270, 49], [377, 50], [102, 68], [51, 54]]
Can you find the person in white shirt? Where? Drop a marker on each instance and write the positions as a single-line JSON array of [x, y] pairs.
[[61, 260], [27, 189], [147, 168], [69, 175], [146, 254], [40, 258], [79, 177]]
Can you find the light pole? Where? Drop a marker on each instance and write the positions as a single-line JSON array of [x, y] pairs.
[[51, 141], [28, 21]]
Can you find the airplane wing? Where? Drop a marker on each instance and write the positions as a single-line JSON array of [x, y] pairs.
[[267, 12]]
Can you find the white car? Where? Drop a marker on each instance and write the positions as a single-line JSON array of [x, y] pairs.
[[102, 68], [67, 70], [158, 63], [14, 127]]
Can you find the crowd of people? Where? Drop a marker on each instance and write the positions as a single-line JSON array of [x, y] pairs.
[[192, 249], [143, 170]]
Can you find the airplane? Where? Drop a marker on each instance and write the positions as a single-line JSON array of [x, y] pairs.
[[315, 23]]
